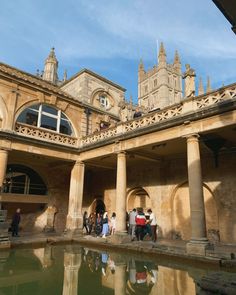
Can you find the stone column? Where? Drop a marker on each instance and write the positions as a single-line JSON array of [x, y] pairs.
[[3, 165], [74, 221], [198, 221], [121, 194], [120, 279], [72, 262]]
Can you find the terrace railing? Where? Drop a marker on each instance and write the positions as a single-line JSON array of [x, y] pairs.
[[45, 135], [186, 106]]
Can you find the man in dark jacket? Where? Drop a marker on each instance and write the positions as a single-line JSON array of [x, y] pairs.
[[15, 223]]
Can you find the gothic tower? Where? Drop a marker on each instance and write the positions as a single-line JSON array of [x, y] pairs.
[[160, 86], [50, 68]]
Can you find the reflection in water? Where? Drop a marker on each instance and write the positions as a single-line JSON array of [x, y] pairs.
[[72, 270]]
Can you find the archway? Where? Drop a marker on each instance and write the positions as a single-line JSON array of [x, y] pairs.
[[97, 206], [181, 221], [138, 197]]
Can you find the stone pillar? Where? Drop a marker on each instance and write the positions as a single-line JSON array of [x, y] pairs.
[[72, 262], [120, 279], [3, 165], [121, 232], [198, 240], [121, 193], [74, 221]]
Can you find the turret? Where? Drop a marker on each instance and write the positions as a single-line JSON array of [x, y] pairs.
[[50, 68]]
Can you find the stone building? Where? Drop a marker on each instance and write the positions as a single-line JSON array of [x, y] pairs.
[[64, 149], [160, 86]]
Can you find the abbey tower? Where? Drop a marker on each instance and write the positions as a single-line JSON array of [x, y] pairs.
[[162, 85]]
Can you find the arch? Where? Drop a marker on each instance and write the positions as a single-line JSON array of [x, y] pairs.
[[95, 98], [138, 197], [97, 206], [45, 116], [180, 211], [21, 179]]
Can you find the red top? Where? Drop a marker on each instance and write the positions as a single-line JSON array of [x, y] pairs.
[[140, 220]]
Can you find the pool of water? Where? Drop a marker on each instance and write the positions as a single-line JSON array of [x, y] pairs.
[[72, 270]]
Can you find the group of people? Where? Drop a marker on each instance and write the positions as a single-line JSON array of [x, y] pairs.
[[99, 223], [138, 224]]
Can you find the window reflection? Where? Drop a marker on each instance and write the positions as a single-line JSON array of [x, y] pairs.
[[44, 116]]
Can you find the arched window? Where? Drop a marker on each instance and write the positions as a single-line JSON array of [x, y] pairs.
[[44, 116], [23, 180], [104, 101]]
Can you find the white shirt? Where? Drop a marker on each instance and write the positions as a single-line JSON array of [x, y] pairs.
[[153, 219]]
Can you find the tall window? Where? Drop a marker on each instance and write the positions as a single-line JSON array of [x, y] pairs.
[[44, 116]]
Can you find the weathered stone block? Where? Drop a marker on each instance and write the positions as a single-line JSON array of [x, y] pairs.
[[120, 238], [199, 249]]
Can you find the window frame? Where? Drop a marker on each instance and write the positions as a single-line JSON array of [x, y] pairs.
[[58, 117]]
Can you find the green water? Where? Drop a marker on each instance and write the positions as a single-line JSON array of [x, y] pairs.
[[72, 270]]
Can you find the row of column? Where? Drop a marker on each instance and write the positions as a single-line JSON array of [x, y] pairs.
[[75, 219], [198, 224]]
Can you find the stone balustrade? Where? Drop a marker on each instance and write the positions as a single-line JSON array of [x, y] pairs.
[[187, 106], [190, 105], [45, 135]]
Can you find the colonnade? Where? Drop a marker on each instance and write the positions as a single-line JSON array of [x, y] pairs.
[[198, 222], [75, 220]]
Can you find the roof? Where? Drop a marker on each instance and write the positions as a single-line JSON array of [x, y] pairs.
[[96, 76], [32, 79], [39, 82], [228, 8]]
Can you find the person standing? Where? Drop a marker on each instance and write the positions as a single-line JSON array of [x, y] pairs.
[[113, 223], [98, 225], [85, 221], [140, 224], [15, 223], [132, 223], [153, 224], [105, 226]]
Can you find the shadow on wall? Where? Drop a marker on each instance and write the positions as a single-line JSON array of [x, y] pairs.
[[33, 216], [220, 202]]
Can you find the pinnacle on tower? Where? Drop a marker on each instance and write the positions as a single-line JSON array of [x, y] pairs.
[[209, 89], [162, 55], [141, 71], [141, 65], [176, 59], [65, 76], [200, 87], [162, 49]]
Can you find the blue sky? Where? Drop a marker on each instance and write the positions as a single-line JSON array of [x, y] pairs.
[[110, 36]]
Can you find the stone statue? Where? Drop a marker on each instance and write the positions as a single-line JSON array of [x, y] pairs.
[[189, 77]]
